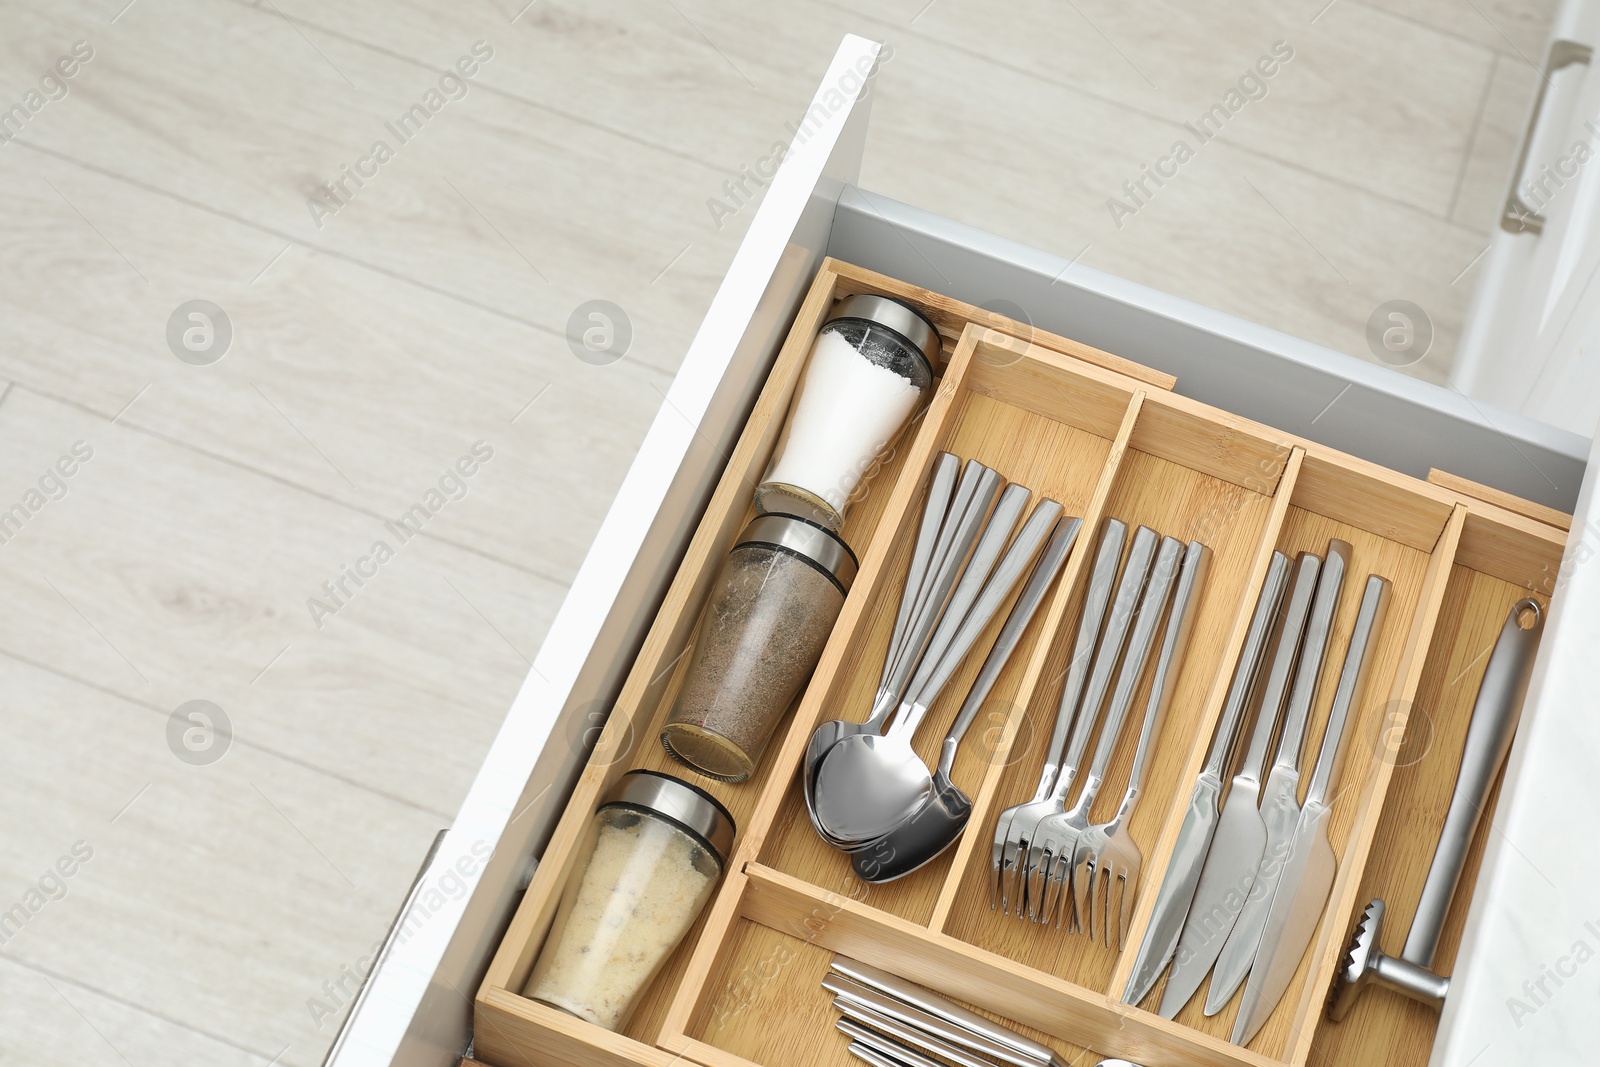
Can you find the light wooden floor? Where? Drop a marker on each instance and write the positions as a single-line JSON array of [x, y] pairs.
[[429, 314]]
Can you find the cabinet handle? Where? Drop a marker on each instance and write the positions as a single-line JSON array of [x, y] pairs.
[[1518, 216], [383, 952]]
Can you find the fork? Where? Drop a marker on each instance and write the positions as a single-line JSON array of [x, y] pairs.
[[1014, 828], [1057, 837], [1108, 848]]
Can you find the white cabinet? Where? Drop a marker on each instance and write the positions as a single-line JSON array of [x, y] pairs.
[[417, 1008]]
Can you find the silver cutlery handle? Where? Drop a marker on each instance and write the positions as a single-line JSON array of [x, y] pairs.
[[941, 487], [945, 649], [1095, 599], [1134, 574], [1151, 605], [1494, 721], [1049, 565], [884, 1043], [1286, 649], [1358, 660], [978, 488], [1180, 624], [893, 1022], [1313, 649], [1248, 669], [924, 1000], [1518, 216]]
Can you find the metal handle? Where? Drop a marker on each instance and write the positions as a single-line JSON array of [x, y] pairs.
[[1494, 721], [1142, 640], [1103, 577], [1518, 215], [892, 985], [1134, 574], [1286, 650], [1358, 660], [1185, 606], [974, 496], [890, 1052], [954, 633], [1313, 650], [921, 1031], [383, 951], [1248, 668], [1022, 612], [941, 487]]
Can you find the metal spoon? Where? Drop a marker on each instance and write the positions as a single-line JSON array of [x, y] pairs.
[[942, 818], [941, 488], [959, 530], [870, 783]]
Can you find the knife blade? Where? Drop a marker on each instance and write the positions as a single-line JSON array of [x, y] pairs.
[[1241, 837], [1308, 872], [1280, 797], [1200, 822]]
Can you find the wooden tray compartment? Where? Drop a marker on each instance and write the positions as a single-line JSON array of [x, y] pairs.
[[1501, 559], [1224, 495], [1068, 422]]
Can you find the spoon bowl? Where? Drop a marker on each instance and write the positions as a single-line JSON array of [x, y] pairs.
[[924, 834], [866, 785], [942, 816]]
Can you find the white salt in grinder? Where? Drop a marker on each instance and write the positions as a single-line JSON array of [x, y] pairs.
[[871, 368]]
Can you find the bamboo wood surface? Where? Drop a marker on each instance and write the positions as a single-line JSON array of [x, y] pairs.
[[1178, 502], [1405, 568], [1488, 494], [1386, 1028], [743, 987], [1068, 594], [876, 579]]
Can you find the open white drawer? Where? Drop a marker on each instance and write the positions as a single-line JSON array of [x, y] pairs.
[[417, 1007]]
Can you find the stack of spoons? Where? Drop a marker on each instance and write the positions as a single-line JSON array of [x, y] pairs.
[[867, 791]]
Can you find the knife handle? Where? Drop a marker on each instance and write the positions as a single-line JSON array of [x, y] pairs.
[[1313, 649], [1358, 660], [1248, 668], [1286, 650], [1494, 721]]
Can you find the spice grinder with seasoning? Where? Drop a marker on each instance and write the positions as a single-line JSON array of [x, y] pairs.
[[870, 370], [655, 850], [770, 612]]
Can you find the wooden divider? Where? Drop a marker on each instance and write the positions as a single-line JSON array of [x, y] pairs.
[[1106, 438]]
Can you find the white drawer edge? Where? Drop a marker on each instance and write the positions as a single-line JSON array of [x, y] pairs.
[[1538, 892], [417, 1009]]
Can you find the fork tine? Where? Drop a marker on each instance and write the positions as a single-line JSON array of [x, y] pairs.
[[1069, 915], [1130, 884], [997, 852], [1050, 908], [1103, 888], [1117, 892], [1034, 876], [1082, 883]]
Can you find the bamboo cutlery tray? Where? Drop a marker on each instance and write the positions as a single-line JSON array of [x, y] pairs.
[[1104, 437]]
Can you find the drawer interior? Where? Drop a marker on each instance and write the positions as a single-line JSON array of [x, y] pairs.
[[1068, 423]]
